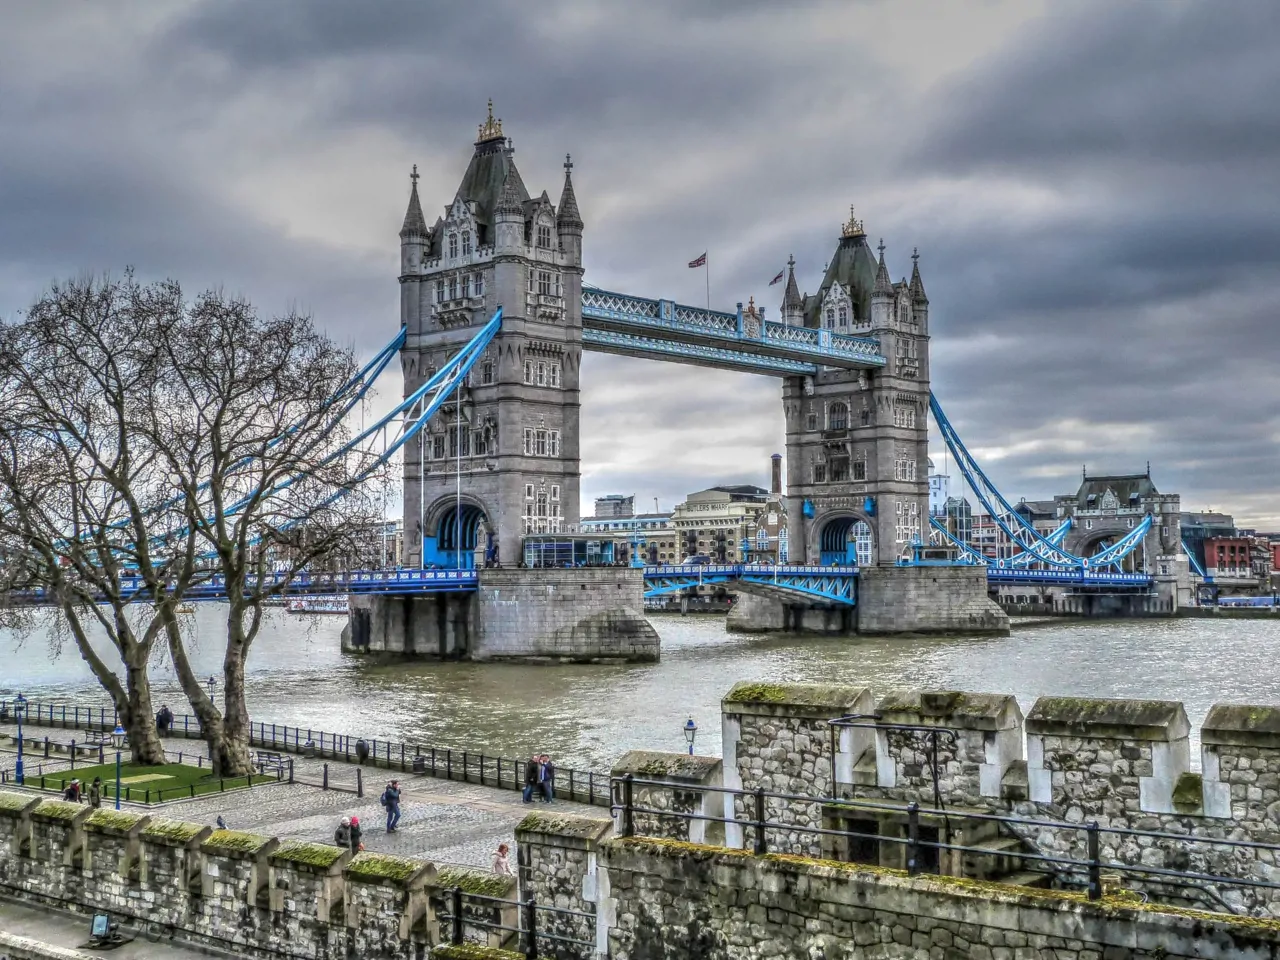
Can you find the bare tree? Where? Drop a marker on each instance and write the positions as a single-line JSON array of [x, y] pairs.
[[257, 442], [82, 485], [143, 436]]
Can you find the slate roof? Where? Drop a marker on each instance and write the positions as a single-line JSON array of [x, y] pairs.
[[853, 265], [1124, 486]]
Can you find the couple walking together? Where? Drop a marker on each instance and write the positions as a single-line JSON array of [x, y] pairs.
[[540, 775]]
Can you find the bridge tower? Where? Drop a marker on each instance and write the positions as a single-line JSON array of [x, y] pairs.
[[857, 441], [501, 459]]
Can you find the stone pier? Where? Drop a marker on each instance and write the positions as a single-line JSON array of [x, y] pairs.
[[891, 599], [577, 615]]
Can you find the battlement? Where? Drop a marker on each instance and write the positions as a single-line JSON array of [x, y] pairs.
[[231, 890]]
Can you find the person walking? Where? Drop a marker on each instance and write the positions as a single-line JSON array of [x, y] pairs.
[[356, 835], [391, 800], [72, 793], [342, 836], [531, 776], [95, 793], [502, 861], [548, 779], [164, 720]]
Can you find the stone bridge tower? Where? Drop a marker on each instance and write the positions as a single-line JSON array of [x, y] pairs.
[[514, 455], [857, 441]]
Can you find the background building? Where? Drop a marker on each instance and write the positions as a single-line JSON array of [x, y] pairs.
[[616, 505]]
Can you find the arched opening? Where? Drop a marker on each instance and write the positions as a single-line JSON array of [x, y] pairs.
[[458, 526], [1130, 563], [847, 541]]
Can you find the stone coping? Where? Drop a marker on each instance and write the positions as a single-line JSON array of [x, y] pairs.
[[1244, 725], [117, 823], [657, 765], [175, 833], [18, 805], [238, 845], [563, 830], [473, 951], [313, 857], [970, 711], [820, 701], [61, 811], [1158, 720], [477, 881], [383, 868]]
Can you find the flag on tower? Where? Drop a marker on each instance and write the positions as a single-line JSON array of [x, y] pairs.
[[700, 262], [778, 278]]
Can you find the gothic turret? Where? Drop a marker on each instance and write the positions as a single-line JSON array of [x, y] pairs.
[[413, 247], [568, 220], [792, 302], [508, 213], [919, 301], [881, 295]]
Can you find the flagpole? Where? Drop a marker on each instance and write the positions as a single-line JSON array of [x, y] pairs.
[[707, 265]]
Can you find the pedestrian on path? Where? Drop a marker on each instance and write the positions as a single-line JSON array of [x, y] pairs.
[[72, 793], [531, 776], [391, 800], [95, 793], [356, 835], [164, 720], [547, 779], [501, 861], [348, 834]]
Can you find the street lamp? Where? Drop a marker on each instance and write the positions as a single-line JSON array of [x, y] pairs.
[[690, 732], [117, 738], [211, 683], [19, 708]]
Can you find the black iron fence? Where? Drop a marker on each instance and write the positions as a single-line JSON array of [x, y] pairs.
[[461, 912], [470, 766], [922, 853]]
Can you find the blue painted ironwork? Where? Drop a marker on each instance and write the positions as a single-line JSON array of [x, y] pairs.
[[1078, 576], [1195, 564], [832, 584], [662, 329]]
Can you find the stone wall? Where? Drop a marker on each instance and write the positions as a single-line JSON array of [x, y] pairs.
[[697, 796], [927, 600], [678, 900], [1124, 764], [559, 868], [768, 612], [585, 614], [252, 895], [580, 615]]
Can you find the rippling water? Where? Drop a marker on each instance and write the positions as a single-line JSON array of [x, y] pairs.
[[587, 715]]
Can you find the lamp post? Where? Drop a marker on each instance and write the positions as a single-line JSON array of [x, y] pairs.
[[19, 708], [690, 732], [117, 738], [212, 684]]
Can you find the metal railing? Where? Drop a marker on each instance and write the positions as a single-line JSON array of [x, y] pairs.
[[446, 763], [1084, 871], [528, 929]]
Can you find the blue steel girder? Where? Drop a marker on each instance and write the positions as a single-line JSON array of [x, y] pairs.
[[1068, 576], [831, 584], [662, 329]]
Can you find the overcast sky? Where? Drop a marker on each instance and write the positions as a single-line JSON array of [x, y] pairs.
[[1094, 190]]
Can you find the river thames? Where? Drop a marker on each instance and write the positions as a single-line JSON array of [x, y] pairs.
[[588, 715]]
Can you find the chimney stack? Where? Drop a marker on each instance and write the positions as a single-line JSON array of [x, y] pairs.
[[775, 482]]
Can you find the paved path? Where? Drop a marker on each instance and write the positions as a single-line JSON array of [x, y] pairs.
[[441, 820], [71, 932]]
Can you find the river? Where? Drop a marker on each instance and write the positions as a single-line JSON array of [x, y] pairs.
[[587, 715]]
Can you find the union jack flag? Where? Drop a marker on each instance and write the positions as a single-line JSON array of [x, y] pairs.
[[700, 262]]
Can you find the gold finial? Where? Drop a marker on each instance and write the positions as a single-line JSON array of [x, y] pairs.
[[854, 227], [491, 129]]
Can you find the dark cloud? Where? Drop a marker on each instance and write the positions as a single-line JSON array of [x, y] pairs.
[[1094, 193]]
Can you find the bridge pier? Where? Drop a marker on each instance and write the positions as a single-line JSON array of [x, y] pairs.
[[573, 615], [757, 613]]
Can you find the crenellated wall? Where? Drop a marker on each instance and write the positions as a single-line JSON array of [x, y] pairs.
[[256, 896], [1122, 763]]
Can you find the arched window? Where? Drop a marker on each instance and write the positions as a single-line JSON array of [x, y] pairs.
[[831, 318], [838, 416], [453, 244], [528, 371], [860, 534], [844, 316], [466, 242], [544, 236], [453, 288], [762, 539]]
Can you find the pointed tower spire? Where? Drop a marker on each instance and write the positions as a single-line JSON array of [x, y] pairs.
[[509, 199], [792, 302], [415, 224], [917, 285], [567, 212], [884, 286]]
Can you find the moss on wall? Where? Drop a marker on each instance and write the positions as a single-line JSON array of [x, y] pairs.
[[377, 867]]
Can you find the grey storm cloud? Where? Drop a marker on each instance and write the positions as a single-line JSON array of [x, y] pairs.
[[1093, 191]]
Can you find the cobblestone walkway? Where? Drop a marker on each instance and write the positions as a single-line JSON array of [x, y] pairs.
[[441, 820]]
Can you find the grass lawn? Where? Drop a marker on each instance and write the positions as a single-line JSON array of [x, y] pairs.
[[144, 784]]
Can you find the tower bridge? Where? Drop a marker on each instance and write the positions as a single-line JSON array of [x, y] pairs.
[[498, 462]]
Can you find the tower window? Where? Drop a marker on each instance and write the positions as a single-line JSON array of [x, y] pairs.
[[859, 469], [486, 372], [453, 244], [437, 447], [479, 284], [838, 417], [544, 283], [439, 291], [528, 371], [819, 473], [466, 243], [553, 374], [844, 316], [831, 318], [466, 286], [544, 236], [453, 288], [542, 374], [811, 422]]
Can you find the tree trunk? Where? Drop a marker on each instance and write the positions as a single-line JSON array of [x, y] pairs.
[[137, 717], [234, 749]]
